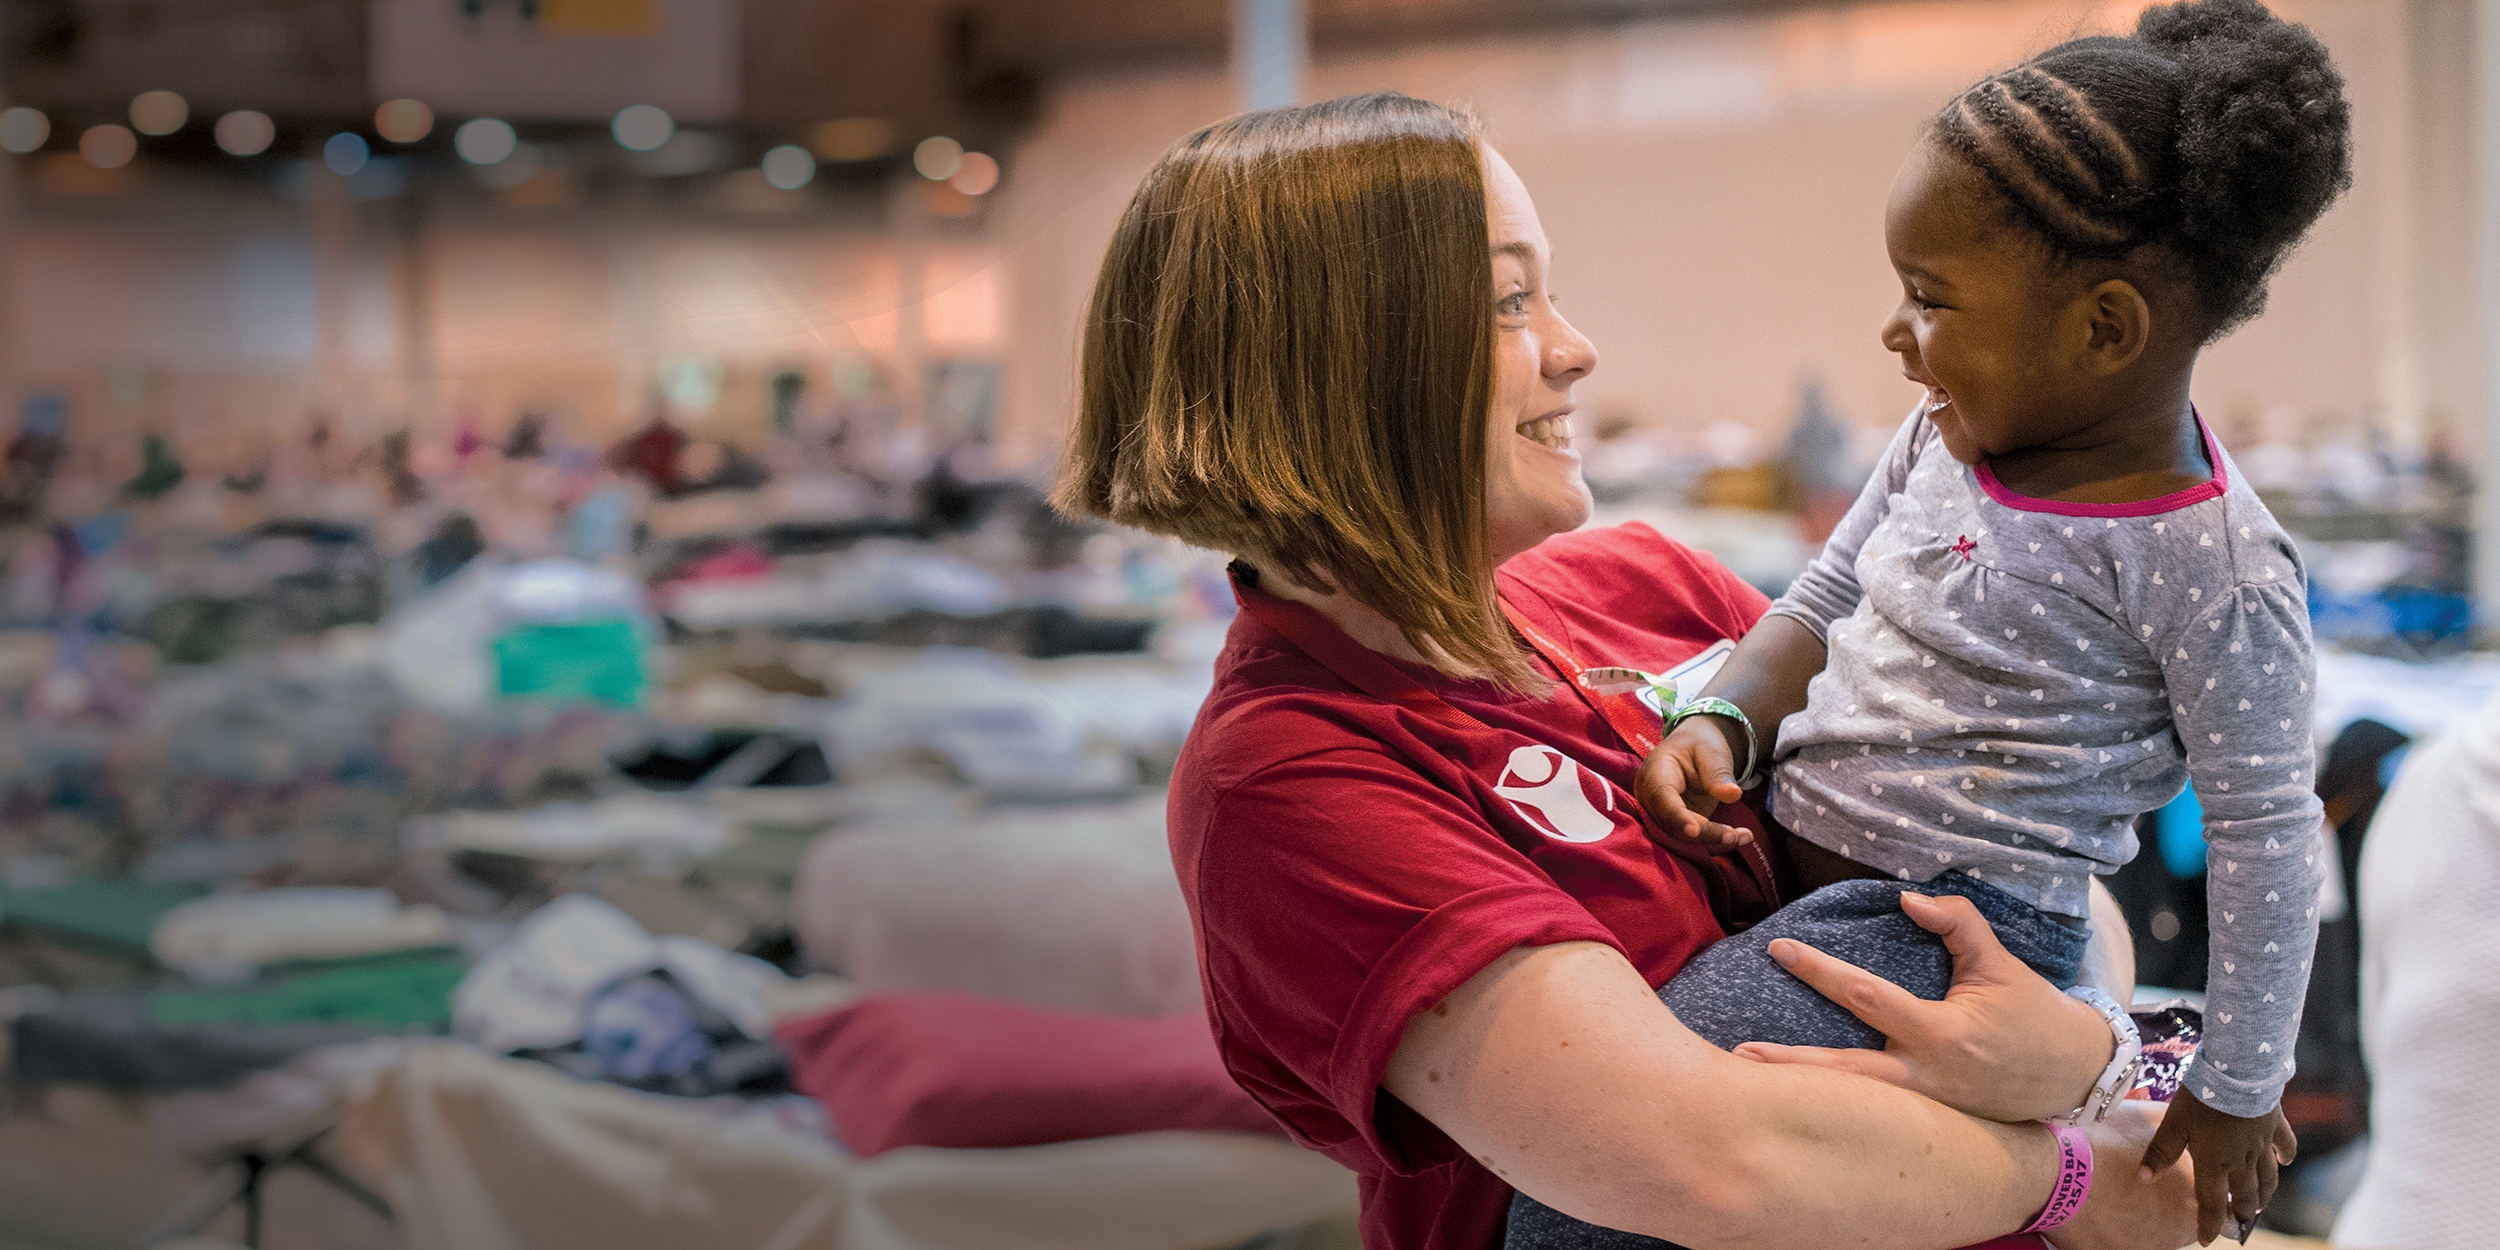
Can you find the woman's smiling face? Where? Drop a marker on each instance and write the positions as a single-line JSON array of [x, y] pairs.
[[1532, 484]]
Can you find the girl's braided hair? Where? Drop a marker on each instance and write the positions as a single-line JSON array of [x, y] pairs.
[[2217, 131]]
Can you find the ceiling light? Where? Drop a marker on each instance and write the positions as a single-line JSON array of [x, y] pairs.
[[108, 146], [345, 153], [484, 140], [159, 112], [23, 129], [642, 127], [937, 159], [977, 175], [789, 167], [245, 132], [403, 121]]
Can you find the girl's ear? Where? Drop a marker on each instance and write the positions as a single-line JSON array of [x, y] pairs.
[[2117, 324]]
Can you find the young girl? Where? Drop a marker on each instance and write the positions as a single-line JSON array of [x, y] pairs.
[[2056, 602]]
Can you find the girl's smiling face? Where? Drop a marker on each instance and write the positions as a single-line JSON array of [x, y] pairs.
[[1979, 324]]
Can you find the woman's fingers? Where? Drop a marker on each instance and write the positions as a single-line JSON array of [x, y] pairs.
[[1880, 1064], [1967, 937], [1883, 1005]]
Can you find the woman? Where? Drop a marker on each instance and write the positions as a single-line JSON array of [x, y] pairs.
[[1429, 911]]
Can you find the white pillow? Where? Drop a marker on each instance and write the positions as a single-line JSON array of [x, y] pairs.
[[1069, 907]]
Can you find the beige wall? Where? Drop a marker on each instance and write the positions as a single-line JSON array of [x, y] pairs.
[[223, 321], [1714, 193], [1713, 189]]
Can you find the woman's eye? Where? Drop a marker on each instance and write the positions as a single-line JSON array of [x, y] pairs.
[[1514, 305]]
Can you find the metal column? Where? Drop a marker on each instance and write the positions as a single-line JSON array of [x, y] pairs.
[[1271, 52]]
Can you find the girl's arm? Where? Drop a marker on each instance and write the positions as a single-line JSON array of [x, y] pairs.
[[1559, 1069], [2238, 676], [1827, 589], [1694, 770]]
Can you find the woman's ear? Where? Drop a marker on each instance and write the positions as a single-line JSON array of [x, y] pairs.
[[2117, 325]]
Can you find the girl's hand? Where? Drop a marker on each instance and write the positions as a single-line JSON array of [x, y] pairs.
[[1685, 780], [2237, 1158], [2004, 1044], [2127, 1210]]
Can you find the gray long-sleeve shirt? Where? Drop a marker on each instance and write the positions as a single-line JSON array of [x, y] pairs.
[[2012, 681]]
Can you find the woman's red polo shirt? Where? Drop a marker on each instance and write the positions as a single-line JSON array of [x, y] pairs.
[[1349, 860]]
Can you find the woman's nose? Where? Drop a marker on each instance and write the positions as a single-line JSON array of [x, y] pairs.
[[1569, 355]]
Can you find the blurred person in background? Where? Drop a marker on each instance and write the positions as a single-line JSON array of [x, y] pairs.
[[2429, 897], [1431, 915]]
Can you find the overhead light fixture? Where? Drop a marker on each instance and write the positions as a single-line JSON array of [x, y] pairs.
[[108, 146], [853, 139], [245, 132], [403, 121], [789, 167], [23, 129], [642, 127], [977, 175], [484, 140], [346, 153], [938, 158], [159, 112]]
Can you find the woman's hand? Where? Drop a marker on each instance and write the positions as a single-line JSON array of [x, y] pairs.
[[2004, 1044], [2125, 1211], [1686, 778]]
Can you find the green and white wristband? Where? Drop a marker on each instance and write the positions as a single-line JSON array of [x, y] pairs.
[[1711, 705]]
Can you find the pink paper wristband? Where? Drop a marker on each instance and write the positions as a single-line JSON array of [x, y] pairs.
[[2074, 1179]]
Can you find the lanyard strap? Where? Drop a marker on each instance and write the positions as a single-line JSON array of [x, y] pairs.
[[1631, 721], [1368, 671], [1622, 709]]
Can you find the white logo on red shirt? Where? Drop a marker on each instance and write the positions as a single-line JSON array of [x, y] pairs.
[[1544, 786]]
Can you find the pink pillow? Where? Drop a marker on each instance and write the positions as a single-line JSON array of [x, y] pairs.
[[944, 1069]]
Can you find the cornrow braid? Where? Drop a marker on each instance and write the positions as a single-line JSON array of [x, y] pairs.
[[2018, 130], [2217, 130]]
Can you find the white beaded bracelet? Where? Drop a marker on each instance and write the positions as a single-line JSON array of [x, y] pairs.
[[2119, 1076]]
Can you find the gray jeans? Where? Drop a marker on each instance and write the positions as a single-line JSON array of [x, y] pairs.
[[1734, 993]]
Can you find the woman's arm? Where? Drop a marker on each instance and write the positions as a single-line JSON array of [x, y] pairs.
[[1557, 1068]]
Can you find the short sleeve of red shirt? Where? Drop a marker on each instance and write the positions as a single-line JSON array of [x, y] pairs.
[[1399, 894]]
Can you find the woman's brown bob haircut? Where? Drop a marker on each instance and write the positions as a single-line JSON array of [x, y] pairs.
[[1289, 357]]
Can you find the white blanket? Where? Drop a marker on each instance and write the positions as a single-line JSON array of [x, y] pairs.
[[480, 1153]]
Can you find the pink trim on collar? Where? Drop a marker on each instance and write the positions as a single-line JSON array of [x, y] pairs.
[[2171, 502]]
